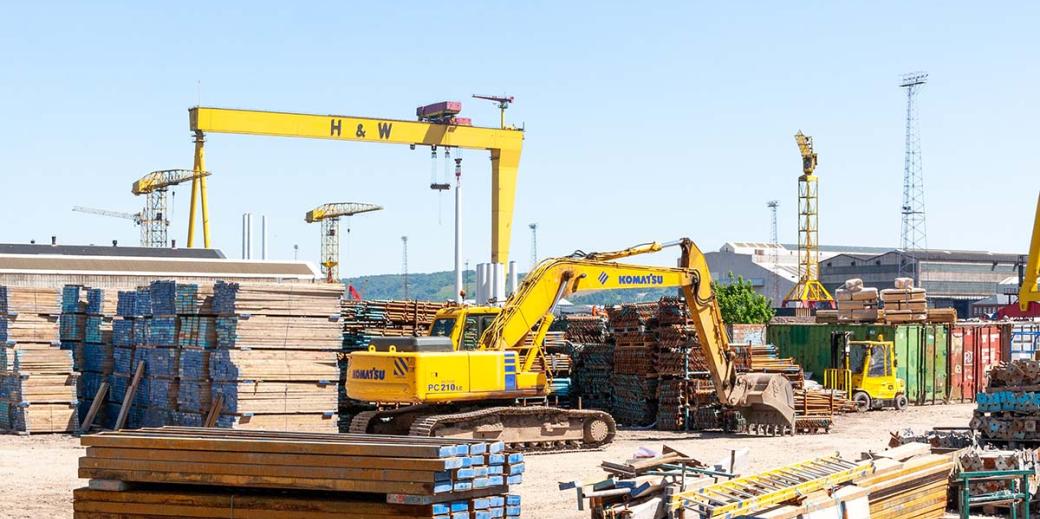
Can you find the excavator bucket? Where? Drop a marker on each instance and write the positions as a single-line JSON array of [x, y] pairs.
[[766, 402]]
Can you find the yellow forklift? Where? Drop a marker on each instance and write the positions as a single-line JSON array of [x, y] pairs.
[[866, 371]]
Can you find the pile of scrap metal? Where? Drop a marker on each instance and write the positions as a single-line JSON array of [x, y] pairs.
[[907, 481], [942, 439]]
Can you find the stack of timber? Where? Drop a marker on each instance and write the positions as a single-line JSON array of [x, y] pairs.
[[1009, 410], [37, 378], [634, 397], [765, 358], [592, 355], [206, 473], [275, 361], [86, 331], [857, 303], [904, 303], [364, 319], [908, 481]]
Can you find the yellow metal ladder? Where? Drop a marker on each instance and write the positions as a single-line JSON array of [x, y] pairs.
[[753, 493]]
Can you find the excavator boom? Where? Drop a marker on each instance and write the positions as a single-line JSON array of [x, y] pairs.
[[502, 364]]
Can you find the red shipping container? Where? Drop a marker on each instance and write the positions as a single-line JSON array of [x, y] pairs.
[[974, 349]]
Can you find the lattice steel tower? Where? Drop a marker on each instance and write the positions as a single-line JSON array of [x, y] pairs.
[[155, 219], [914, 234], [808, 292], [404, 263], [534, 244], [775, 256], [329, 215]]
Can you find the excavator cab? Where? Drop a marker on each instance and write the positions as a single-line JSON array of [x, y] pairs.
[[866, 371], [464, 324]]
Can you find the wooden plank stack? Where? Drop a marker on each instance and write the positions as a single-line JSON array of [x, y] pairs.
[[908, 481], [904, 303], [192, 472], [275, 359], [857, 303], [37, 377]]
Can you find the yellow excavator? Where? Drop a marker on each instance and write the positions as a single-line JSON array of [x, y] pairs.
[[475, 376]]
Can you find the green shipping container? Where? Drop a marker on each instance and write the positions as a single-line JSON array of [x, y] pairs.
[[921, 352]]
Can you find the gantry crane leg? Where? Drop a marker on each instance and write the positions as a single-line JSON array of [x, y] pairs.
[[198, 193]]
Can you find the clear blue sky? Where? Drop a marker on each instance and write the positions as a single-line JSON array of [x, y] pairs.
[[643, 123]]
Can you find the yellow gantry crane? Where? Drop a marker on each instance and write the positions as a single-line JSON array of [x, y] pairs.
[[1028, 292], [504, 144], [155, 221], [808, 292], [329, 215]]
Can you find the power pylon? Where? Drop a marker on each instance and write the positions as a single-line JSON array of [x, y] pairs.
[[534, 244], [914, 235], [774, 241]]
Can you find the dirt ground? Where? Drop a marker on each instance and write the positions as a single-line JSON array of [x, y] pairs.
[[38, 473]]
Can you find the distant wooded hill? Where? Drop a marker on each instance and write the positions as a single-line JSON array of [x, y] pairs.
[[437, 286]]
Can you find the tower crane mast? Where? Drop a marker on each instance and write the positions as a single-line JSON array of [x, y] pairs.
[[329, 215], [155, 222], [808, 292]]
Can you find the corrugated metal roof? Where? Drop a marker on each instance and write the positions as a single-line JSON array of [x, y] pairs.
[[113, 265], [96, 250]]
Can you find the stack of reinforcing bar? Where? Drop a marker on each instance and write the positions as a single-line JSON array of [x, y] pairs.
[[1009, 410], [363, 320], [207, 473], [37, 378], [592, 353]]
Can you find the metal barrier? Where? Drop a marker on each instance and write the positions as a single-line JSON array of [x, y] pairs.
[[1017, 496], [837, 378]]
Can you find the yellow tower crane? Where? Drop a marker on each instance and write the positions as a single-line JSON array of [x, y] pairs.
[[155, 220], [329, 215], [504, 144], [808, 292]]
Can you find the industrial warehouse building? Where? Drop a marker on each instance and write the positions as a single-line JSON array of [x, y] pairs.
[[953, 279], [121, 267]]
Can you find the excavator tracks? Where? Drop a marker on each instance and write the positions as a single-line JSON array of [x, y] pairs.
[[531, 428]]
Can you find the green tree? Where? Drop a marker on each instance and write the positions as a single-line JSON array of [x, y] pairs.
[[740, 304]]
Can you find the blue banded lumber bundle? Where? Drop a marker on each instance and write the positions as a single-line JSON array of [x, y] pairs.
[[196, 331], [267, 397], [29, 327]]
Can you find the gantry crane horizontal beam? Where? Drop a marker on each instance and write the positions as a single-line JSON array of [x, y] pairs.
[[504, 144]]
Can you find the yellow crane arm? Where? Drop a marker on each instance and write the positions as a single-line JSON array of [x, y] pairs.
[[504, 144], [164, 178], [533, 303], [1028, 292], [337, 209]]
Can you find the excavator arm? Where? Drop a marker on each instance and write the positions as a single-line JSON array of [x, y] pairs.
[[764, 399]]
